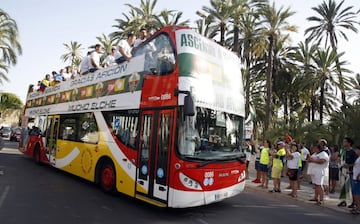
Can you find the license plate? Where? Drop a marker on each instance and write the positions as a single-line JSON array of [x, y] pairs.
[[221, 196]]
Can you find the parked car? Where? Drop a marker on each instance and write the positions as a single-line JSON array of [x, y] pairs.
[[5, 132], [15, 134]]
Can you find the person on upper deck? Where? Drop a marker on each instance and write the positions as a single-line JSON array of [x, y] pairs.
[[124, 48], [143, 36], [45, 83], [95, 58], [85, 64], [110, 59]]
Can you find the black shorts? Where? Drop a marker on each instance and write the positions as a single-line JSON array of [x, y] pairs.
[[303, 165], [333, 173], [257, 165], [263, 168], [292, 174]]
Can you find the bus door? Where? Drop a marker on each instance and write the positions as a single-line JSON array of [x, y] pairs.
[[153, 162], [51, 135]]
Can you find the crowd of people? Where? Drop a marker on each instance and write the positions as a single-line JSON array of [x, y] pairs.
[[326, 167], [91, 62]]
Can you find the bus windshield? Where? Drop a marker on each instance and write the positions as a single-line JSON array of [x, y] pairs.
[[210, 135]]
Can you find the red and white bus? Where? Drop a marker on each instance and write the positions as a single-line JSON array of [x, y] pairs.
[[165, 127]]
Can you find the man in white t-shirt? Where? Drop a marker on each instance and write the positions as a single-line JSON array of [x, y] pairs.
[[95, 58], [110, 59], [304, 156], [124, 48], [142, 38]]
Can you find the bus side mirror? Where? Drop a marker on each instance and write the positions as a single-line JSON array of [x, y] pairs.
[[189, 108]]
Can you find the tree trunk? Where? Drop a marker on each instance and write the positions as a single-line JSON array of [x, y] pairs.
[[269, 70], [321, 109], [222, 33], [338, 68], [236, 39]]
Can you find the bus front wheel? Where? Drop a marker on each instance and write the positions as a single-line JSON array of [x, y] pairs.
[[107, 177], [37, 155]]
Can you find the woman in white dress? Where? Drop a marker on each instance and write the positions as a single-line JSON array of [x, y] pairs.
[[318, 163]]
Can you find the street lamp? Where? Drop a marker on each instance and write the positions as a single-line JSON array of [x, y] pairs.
[[203, 14]]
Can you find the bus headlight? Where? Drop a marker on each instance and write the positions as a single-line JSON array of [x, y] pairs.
[[189, 183], [242, 176]]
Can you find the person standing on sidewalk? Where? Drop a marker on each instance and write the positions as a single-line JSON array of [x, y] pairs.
[[293, 156], [347, 170], [334, 167], [248, 153], [277, 166], [304, 156], [318, 162], [257, 150], [323, 146], [264, 163], [356, 184]]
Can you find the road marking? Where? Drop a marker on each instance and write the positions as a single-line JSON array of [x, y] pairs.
[[4, 195]]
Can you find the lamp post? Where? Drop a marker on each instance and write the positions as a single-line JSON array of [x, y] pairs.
[[203, 14]]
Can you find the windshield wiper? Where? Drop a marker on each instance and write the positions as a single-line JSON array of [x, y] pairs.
[[241, 159], [204, 163]]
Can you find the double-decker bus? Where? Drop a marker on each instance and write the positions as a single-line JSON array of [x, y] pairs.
[[165, 127]]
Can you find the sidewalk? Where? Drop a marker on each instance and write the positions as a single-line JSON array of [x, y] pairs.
[[305, 193]]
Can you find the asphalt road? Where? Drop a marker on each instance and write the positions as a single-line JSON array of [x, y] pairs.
[[30, 193]]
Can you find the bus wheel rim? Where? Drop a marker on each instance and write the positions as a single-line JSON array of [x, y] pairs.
[[107, 177]]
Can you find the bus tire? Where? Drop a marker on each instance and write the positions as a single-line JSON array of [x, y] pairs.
[[37, 155], [107, 177]]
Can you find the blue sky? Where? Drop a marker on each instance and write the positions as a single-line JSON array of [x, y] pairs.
[[44, 25]]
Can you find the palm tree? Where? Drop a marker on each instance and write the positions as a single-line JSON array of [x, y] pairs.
[[170, 17], [274, 23], [3, 72], [251, 49], [345, 123], [10, 47], [123, 27], [10, 101], [145, 16], [332, 22], [220, 14], [138, 17], [325, 62], [74, 52], [302, 55], [106, 42]]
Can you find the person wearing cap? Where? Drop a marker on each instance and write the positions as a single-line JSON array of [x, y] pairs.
[[356, 183], [277, 166]]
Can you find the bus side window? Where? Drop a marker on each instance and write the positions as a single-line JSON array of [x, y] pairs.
[[68, 127], [124, 126], [159, 55], [89, 130]]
